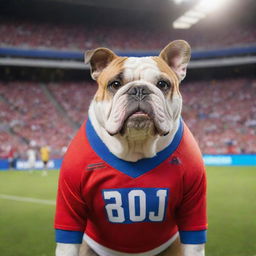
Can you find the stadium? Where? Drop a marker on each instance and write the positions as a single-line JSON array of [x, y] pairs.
[[46, 89]]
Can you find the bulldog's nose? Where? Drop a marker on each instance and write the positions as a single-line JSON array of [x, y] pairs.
[[139, 92]]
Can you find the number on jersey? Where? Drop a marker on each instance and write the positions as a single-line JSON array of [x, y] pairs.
[[131, 205]]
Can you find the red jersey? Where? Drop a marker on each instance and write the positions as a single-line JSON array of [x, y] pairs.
[[131, 207]]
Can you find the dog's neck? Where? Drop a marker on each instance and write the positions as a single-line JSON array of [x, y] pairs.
[[131, 148]]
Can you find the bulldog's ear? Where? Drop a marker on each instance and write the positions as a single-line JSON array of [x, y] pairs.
[[177, 55], [98, 59]]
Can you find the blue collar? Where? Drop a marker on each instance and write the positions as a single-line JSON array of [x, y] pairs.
[[132, 169]]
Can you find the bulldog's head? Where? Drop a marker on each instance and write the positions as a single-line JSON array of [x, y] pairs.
[[138, 98]]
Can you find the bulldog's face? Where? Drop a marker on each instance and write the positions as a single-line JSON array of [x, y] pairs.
[[138, 97]]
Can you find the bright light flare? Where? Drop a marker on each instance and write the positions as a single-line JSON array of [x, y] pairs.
[[198, 12], [207, 6]]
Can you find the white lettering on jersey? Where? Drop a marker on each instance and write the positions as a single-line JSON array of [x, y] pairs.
[[129, 205]]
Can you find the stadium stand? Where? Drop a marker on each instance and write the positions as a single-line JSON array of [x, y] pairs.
[[222, 119], [45, 35], [30, 115], [222, 115], [74, 97]]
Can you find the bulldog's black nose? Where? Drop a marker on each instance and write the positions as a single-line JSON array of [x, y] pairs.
[[139, 92]]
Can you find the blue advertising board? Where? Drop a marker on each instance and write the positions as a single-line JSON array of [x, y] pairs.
[[230, 160], [24, 165], [209, 160]]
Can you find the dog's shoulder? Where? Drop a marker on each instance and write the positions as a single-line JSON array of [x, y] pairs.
[[189, 153]]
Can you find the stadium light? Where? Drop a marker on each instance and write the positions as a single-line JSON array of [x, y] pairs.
[[189, 19], [180, 25], [180, 1], [198, 12]]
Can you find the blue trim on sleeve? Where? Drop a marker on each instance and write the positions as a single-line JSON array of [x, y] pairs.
[[193, 237], [132, 169], [68, 237]]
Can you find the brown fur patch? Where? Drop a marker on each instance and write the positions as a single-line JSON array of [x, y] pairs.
[[112, 70], [163, 67]]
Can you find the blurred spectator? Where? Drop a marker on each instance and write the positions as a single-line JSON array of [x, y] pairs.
[[31, 156], [45, 157], [12, 157]]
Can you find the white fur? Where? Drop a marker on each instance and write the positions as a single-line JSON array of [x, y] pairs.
[[144, 68], [193, 249], [67, 249]]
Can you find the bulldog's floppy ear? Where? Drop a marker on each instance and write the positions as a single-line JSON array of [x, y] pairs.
[[177, 55], [98, 59]]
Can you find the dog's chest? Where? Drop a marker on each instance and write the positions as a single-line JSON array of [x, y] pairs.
[[115, 197]]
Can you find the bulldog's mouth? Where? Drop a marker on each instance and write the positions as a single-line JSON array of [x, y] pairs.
[[139, 120], [139, 115]]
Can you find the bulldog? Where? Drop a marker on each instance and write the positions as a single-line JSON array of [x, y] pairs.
[[133, 181]]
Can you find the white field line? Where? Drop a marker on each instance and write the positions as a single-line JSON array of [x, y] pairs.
[[27, 199]]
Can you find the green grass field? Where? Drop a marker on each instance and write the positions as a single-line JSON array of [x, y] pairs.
[[26, 228]]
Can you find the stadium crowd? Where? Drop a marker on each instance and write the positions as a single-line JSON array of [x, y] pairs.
[[74, 97], [221, 115], [28, 115], [25, 34]]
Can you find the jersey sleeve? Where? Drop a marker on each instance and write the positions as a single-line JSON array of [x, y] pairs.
[[71, 211], [191, 214]]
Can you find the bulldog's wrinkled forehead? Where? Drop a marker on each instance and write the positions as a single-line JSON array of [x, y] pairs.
[[140, 68], [148, 69]]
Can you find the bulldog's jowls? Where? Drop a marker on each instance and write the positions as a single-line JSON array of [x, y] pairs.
[[133, 180], [137, 107]]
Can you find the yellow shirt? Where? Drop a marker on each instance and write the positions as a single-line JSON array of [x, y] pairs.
[[44, 151]]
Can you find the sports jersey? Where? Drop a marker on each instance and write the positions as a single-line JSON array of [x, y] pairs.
[[126, 208]]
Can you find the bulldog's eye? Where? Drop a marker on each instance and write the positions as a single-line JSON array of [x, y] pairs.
[[114, 85], [163, 85]]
